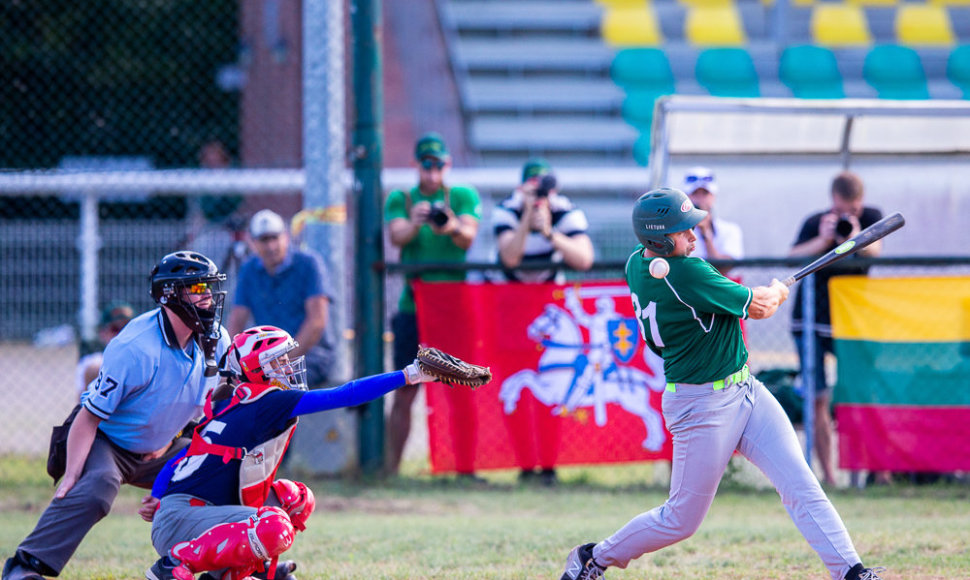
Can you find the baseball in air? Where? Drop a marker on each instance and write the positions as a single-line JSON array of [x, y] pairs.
[[659, 268]]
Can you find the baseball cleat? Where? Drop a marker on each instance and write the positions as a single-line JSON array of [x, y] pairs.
[[161, 569], [284, 571], [859, 573], [580, 564]]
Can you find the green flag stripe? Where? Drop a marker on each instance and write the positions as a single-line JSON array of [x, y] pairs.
[[916, 373]]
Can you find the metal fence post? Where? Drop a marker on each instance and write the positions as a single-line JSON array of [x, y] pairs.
[[88, 244], [808, 363]]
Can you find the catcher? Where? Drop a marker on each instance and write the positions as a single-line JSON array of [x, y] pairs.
[[217, 506]]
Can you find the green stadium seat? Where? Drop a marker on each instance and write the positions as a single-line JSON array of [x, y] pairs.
[[645, 69], [958, 68], [641, 149], [895, 72], [637, 109], [727, 72], [811, 72]]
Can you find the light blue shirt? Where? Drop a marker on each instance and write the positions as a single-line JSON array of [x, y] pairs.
[[149, 387]]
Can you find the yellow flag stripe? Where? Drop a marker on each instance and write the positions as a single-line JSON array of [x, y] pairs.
[[901, 309]]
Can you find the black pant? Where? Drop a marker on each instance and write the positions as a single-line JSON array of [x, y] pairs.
[[67, 520]]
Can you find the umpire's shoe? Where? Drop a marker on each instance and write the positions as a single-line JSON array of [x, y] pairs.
[[580, 565], [14, 569]]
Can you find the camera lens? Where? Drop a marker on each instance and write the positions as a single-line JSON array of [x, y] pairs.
[[844, 227], [546, 184], [438, 215]]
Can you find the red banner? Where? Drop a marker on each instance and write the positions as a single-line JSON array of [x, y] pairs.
[[573, 380]]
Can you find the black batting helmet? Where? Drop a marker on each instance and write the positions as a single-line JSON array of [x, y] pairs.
[[660, 212]]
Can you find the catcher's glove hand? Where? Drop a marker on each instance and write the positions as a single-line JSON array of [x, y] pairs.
[[435, 365]]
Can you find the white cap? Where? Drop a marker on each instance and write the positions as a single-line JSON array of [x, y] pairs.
[[266, 223], [699, 178]]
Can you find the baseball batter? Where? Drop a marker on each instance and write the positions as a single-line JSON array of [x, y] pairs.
[[712, 405]]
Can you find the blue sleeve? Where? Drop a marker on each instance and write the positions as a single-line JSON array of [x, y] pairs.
[[349, 394], [164, 476]]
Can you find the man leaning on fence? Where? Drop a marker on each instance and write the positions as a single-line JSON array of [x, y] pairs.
[[154, 379]]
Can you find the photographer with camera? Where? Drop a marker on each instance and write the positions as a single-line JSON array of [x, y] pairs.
[[821, 232], [538, 224], [432, 222]]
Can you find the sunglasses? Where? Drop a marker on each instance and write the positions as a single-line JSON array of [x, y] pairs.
[[696, 178], [429, 163], [200, 288]]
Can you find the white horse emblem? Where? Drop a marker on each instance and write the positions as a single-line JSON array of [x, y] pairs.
[[573, 374]]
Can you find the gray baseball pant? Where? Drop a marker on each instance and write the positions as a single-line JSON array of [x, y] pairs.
[[67, 520], [178, 521], [707, 427]]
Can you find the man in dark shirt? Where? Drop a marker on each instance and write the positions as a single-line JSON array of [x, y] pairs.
[[820, 233]]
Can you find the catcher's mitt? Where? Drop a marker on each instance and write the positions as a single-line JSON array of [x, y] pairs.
[[451, 370]]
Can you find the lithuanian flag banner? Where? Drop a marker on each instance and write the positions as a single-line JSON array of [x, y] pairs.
[[903, 391]]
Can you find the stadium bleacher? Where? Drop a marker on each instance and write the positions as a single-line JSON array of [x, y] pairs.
[[576, 80]]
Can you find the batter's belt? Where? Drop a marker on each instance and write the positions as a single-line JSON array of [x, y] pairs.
[[733, 379]]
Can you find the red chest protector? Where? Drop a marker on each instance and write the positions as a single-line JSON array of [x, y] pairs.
[[257, 466]]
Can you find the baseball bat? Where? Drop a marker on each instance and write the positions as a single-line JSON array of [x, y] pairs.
[[875, 232]]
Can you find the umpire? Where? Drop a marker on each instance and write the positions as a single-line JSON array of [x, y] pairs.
[[153, 381]]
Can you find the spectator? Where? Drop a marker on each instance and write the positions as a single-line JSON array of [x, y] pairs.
[[720, 239], [114, 317], [432, 222], [285, 287], [537, 224], [154, 380], [820, 233], [205, 515]]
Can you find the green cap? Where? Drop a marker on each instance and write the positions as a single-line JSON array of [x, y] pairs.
[[535, 167], [117, 312], [431, 145]]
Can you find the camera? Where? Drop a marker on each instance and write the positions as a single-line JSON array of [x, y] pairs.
[[438, 216], [546, 184], [843, 227]]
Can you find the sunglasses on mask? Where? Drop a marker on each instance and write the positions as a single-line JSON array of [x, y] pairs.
[[200, 288], [429, 163], [702, 178]]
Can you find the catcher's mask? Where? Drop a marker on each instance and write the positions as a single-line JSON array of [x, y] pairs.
[[192, 273], [660, 212], [260, 355]]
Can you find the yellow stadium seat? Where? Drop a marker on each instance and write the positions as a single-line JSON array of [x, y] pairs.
[[631, 26], [623, 3], [692, 3], [839, 25], [714, 26], [875, 2], [923, 25]]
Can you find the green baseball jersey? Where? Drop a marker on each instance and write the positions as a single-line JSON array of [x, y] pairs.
[[426, 245], [690, 318]]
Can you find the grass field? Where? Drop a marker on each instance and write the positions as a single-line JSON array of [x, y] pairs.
[[422, 527]]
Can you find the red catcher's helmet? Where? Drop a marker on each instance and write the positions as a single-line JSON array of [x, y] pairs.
[[260, 355]]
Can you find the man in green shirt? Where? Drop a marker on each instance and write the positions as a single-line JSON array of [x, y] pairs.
[[689, 314], [432, 222]]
